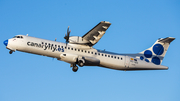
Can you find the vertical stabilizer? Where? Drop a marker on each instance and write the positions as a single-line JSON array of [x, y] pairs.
[[156, 53]]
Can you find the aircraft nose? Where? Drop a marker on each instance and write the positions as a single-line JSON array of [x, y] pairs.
[[5, 42]]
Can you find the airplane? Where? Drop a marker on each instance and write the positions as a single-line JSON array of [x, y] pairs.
[[79, 51]]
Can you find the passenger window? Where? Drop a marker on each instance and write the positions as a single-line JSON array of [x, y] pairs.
[[71, 48], [91, 52], [95, 53], [111, 56], [108, 55], [105, 55], [81, 50], [102, 54], [68, 47], [88, 51], [85, 51], [98, 53], [78, 49], [75, 49], [121, 58], [21, 37], [61, 46], [115, 57], [118, 57]]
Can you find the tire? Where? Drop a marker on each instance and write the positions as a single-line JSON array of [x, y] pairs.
[[75, 68], [10, 52], [80, 63]]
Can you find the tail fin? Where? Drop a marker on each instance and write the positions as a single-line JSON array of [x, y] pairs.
[[156, 53]]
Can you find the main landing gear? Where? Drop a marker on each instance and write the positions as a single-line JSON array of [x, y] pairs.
[[80, 63], [75, 68]]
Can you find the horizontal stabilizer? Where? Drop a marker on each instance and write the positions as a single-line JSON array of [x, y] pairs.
[[166, 40]]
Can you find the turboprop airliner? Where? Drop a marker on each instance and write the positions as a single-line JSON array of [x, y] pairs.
[[79, 51]]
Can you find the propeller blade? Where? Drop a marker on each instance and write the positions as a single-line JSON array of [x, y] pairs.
[[67, 35], [67, 29]]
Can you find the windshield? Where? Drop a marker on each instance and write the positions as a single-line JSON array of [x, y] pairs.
[[18, 37]]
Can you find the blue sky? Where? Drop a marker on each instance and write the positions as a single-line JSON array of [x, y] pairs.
[[136, 25]]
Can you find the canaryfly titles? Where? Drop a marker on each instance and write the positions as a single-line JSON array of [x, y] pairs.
[[46, 46]]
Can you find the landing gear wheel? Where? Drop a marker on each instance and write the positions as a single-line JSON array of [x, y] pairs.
[[80, 63], [75, 68], [10, 52]]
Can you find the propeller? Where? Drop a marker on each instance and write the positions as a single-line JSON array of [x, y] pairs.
[[67, 35]]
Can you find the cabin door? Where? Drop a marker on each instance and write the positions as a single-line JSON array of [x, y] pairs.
[[127, 61]]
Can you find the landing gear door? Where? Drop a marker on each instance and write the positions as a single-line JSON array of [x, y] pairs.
[[127, 61]]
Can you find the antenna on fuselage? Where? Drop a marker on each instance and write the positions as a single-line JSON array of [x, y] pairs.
[[55, 39], [26, 34]]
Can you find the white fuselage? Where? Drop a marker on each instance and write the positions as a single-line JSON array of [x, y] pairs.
[[70, 53]]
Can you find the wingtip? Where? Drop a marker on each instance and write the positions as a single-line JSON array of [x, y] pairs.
[[105, 22], [172, 38]]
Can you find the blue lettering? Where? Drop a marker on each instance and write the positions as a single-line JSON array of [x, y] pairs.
[[62, 49], [59, 49]]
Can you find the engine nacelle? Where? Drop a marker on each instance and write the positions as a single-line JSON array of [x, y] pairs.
[[77, 40], [70, 58]]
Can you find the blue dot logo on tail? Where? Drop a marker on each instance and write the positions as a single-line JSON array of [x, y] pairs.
[[158, 49], [146, 60], [148, 54], [156, 60], [142, 58]]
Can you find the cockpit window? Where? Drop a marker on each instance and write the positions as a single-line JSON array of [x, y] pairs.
[[18, 37]]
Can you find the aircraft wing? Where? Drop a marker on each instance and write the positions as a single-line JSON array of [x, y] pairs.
[[95, 34]]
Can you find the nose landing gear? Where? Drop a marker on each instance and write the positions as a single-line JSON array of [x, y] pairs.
[[11, 51]]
